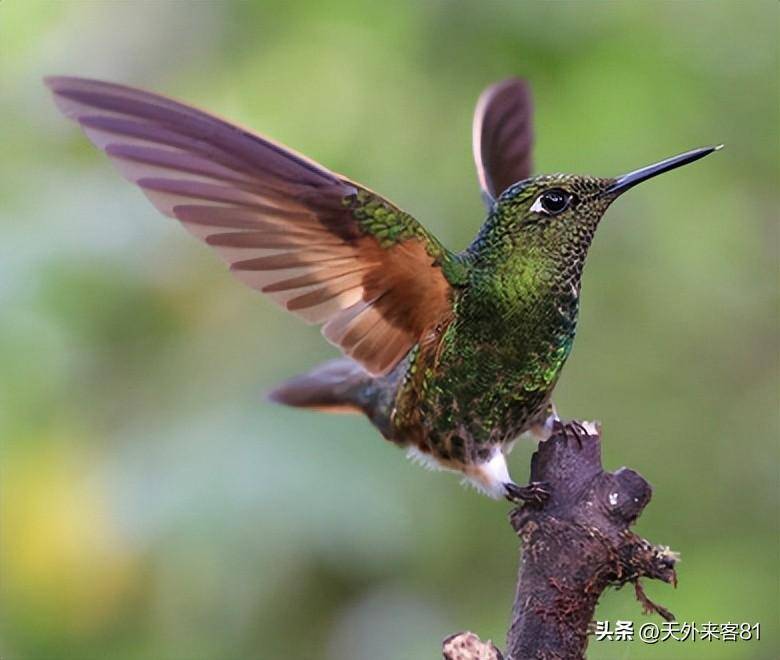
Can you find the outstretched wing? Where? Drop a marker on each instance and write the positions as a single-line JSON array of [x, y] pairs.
[[502, 136], [325, 248]]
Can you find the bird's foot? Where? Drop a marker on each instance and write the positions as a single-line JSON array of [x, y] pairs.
[[572, 430], [535, 493]]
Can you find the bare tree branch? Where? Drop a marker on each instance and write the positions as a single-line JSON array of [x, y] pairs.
[[574, 546]]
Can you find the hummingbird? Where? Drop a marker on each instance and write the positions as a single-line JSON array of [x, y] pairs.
[[451, 355]]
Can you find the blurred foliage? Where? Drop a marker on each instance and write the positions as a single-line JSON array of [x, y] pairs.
[[154, 506]]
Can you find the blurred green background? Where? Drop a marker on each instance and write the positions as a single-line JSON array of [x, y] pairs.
[[155, 506]]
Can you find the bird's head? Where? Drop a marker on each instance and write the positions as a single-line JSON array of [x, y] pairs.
[[557, 214]]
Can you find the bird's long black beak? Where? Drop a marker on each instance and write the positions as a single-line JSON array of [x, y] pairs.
[[623, 183]]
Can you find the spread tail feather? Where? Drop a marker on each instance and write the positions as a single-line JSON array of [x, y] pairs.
[[337, 386]]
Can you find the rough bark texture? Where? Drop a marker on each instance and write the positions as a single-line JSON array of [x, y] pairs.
[[575, 545]]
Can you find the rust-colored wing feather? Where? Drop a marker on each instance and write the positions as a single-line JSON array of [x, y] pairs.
[[322, 246], [502, 136]]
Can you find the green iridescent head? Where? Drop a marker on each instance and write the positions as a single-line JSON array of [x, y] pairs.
[[566, 197], [556, 215], [555, 202]]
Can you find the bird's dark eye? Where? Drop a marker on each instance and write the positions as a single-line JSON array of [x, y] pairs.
[[554, 201]]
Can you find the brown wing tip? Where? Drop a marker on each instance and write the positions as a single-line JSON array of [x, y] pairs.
[[61, 84], [53, 82], [490, 127], [58, 83], [514, 84]]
